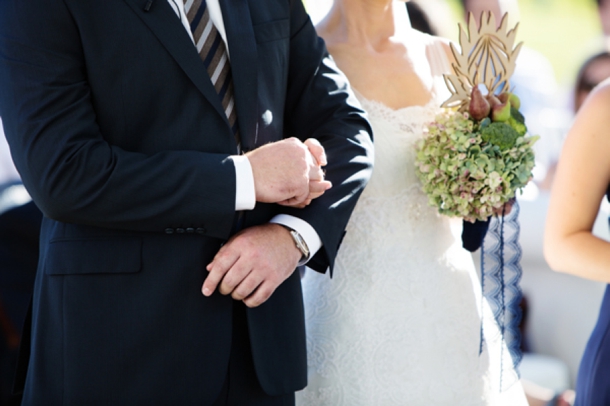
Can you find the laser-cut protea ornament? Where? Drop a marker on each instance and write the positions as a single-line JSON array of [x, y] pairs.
[[487, 57]]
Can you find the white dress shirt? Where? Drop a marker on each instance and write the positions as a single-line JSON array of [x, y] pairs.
[[245, 195]]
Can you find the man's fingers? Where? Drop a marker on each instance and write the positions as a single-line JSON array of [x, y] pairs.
[[316, 173], [318, 187], [296, 200], [211, 282], [317, 150], [304, 204], [247, 286], [220, 265], [301, 205], [296, 205], [236, 274], [261, 294], [281, 170], [287, 203], [270, 257]]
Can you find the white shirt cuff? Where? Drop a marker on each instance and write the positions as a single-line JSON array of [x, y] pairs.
[[245, 195], [311, 237]]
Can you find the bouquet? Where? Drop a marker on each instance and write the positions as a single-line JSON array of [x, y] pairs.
[[477, 154], [474, 158]]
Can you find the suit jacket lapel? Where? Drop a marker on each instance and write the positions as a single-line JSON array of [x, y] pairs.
[[166, 26], [242, 50]]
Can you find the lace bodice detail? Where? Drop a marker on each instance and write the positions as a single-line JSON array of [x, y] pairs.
[[396, 133], [399, 323]]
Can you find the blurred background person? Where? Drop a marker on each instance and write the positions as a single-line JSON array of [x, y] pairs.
[[438, 14], [420, 20], [603, 8], [564, 307], [582, 179], [592, 72]]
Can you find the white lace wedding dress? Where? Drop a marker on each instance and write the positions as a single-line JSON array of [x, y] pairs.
[[400, 321]]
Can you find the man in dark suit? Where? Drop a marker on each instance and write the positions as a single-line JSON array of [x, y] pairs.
[[121, 119]]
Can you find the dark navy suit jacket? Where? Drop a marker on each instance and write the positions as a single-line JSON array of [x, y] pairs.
[[121, 140]]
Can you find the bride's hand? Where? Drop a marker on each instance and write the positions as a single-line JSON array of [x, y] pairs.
[[506, 209], [317, 184]]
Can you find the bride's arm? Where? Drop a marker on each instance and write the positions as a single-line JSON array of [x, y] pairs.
[[583, 175]]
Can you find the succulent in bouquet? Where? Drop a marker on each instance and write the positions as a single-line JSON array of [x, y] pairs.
[[477, 153]]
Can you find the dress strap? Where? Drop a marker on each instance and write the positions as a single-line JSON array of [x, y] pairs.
[[439, 65], [437, 56]]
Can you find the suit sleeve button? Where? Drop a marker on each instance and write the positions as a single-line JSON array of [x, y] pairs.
[[180, 230], [190, 230], [200, 230], [169, 231]]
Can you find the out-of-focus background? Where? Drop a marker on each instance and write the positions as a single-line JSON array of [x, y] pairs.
[[565, 31], [559, 36]]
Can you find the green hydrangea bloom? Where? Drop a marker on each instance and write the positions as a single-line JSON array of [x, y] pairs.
[[468, 174]]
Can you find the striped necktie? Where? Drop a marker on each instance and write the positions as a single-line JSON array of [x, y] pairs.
[[213, 52]]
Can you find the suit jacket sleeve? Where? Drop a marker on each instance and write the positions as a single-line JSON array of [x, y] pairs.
[[72, 172], [321, 105]]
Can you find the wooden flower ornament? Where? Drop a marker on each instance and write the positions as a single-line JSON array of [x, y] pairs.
[[486, 57]]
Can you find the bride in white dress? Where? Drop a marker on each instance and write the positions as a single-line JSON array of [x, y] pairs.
[[400, 321]]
